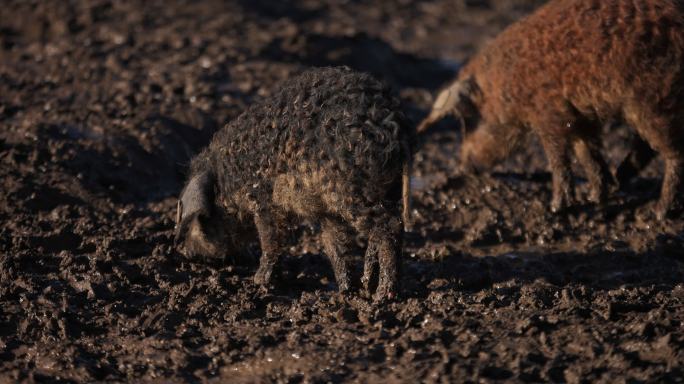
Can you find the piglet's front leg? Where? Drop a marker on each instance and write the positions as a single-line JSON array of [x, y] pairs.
[[556, 147], [270, 247]]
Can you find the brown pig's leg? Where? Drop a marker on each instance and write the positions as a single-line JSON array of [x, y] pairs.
[[336, 240], [597, 172], [672, 184], [556, 148], [663, 133], [270, 248], [638, 158]]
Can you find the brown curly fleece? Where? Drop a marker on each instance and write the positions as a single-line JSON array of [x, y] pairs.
[[562, 72]]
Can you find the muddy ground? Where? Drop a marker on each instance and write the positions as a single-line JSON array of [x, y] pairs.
[[102, 104]]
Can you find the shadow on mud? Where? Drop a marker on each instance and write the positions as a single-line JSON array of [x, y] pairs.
[[273, 10], [364, 53], [131, 168], [359, 51], [604, 268]]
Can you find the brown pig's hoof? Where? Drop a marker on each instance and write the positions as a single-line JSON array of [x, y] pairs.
[[559, 205], [661, 211], [599, 195], [667, 211], [562, 201]]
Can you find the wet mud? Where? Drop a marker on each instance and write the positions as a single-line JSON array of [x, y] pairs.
[[103, 103]]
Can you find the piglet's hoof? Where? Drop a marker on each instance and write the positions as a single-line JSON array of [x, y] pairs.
[[384, 297], [343, 286], [263, 276], [385, 292]]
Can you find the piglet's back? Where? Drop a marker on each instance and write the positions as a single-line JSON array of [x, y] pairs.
[[324, 118]]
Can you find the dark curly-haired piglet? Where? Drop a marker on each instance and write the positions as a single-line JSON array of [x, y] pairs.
[[331, 146]]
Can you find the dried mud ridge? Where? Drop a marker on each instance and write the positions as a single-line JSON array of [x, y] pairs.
[[102, 104]]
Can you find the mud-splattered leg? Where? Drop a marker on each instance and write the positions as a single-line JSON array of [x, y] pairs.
[[672, 184], [336, 240], [556, 148], [270, 248], [370, 264], [663, 134], [638, 158], [597, 172], [384, 249]]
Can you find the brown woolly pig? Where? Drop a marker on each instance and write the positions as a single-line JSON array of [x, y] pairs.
[[563, 71]]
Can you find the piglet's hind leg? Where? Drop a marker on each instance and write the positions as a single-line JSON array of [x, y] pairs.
[[596, 169], [556, 150], [663, 134], [335, 244], [672, 185], [384, 248]]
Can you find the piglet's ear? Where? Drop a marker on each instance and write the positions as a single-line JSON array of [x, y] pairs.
[[457, 100], [195, 200], [197, 196]]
